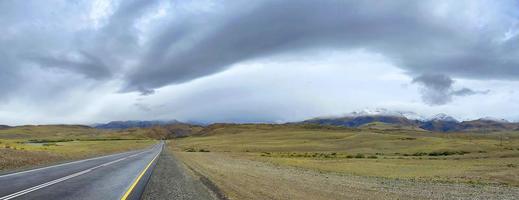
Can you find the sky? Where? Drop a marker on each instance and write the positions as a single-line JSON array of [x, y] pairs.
[[89, 61]]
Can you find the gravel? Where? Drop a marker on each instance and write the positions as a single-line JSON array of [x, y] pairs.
[[171, 180]]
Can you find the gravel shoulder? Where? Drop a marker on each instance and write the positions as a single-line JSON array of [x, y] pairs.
[[172, 180]]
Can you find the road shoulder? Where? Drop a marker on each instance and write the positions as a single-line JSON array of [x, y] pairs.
[[172, 180]]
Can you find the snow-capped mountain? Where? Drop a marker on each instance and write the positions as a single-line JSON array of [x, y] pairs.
[[440, 122], [413, 116], [371, 112], [385, 112], [443, 117]]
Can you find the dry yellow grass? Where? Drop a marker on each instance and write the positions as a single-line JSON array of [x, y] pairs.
[[27, 146], [240, 176], [14, 154], [395, 154]]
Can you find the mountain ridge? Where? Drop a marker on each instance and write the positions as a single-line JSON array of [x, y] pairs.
[[438, 123], [134, 124]]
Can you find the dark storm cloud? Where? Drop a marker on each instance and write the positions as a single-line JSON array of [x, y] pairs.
[[422, 37], [83, 63], [56, 34], [467, 92], [417, 40], [117, 41], [437, 89]]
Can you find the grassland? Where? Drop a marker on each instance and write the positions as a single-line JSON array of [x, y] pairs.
[[29, 146], [459, 160]]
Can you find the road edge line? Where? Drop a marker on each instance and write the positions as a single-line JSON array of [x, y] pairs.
[[136, 181], [14, 173], [49, 183]]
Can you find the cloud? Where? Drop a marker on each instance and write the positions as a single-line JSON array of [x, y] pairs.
[[58, 38], [151, 44], [437, 89], [65, 51], [430, 37], [81, 63], [468, 92]]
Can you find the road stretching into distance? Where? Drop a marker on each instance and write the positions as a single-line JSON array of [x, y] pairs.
[[117, 176]]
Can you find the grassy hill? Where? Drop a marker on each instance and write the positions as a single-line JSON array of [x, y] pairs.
[[387, 126], [58, 132]]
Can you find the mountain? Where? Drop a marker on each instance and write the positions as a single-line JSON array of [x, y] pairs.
[[443, 117], [440, 126], [487, 124], [444, 123], [133, 124], [357, 121], [408, 120], [386, 112], [4, 127], [386, 126]]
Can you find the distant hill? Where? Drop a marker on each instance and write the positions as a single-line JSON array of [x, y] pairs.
[[387, 126], [4, 127], [177, 130], [134, 124], [487, 125], [438, 123], [357, 121], [68, 132]]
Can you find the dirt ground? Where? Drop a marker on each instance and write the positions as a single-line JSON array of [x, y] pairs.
[[242, 178], [172, 180]]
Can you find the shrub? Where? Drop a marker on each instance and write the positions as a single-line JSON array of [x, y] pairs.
[[419, 154], [265, 153], [349, 156], [359, 155], [190, 149], [435, 154], [203, 150], [447, 153], [49, 141]]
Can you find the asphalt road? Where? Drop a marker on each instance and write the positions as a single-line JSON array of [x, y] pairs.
[[108, 177]]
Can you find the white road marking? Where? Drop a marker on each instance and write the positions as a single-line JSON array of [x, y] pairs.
[[64, 164], [20, 193]]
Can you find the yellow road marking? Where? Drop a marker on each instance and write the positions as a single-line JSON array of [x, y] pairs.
[[138, 179]]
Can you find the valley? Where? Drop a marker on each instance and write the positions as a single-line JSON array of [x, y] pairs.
[[384, 156]]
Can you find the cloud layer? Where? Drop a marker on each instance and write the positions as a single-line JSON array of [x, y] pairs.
[[151, 44], [63, 51], [430, 37], [438, 89]]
